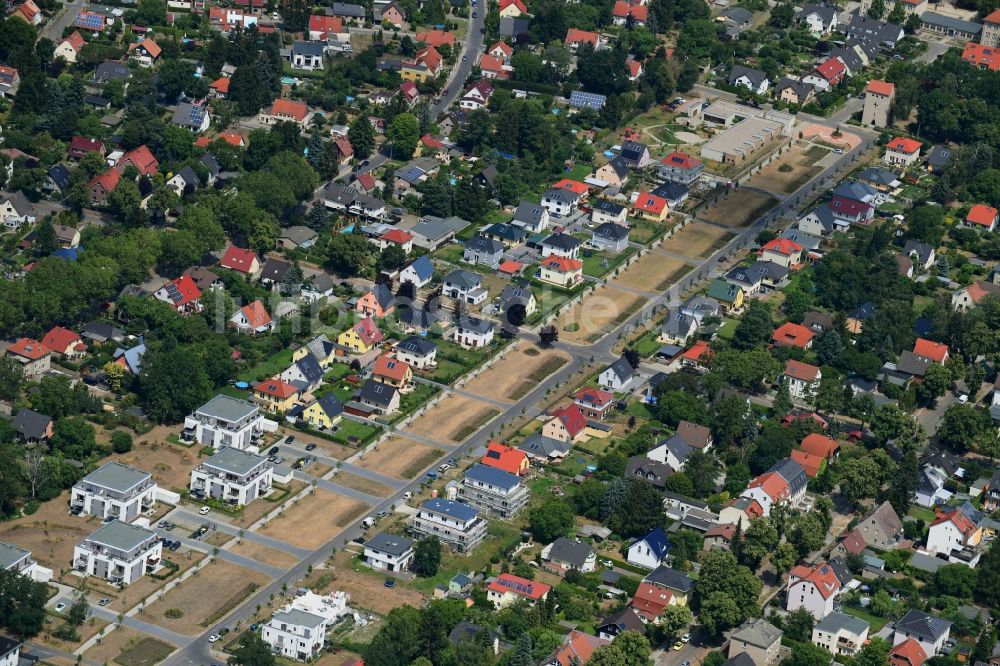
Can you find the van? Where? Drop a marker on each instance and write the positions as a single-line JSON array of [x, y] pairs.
[[368, 522]]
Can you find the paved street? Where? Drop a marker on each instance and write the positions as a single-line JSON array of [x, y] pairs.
[[54, 28], [471, 50]]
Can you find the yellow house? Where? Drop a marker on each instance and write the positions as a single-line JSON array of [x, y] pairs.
[[415, 71], [566, 425], [562, 271], [729, 295], [392, 371], [362, 337], [275, 395], [321, 347], [323, 413]]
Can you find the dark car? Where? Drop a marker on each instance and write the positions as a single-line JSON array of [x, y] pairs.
[[272, 451], [289, 439], [310, 447]]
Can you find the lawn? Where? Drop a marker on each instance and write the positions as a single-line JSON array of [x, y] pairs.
[[639, 409], [451, 253], [579, 172], [727, 329], [920, 513], [268, 368], [500, 533], [647, 344], [876, 622], [353, 433], [599, 264]]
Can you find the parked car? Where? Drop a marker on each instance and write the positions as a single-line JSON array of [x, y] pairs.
[[203, 511], [390, 582], [274, 450], [214, 638], [60, 607], [104, 602], [289, 439], [310, 447]]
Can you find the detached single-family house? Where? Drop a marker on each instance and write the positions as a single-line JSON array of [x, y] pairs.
[[362, 337], [651, 551], [840, 634], [757, 639], [419, 272], [32, 356], [378, 302], [530, 216], [465, 286], [605, 212], [473, 332], [680, 167], [252, 318], [31, 427], [802, 379], [610, 237], [753, 79], [813, 588], [389, 552], [482, 250], [567, 554], [617, 375], [418, 352], [929, 631], [982, 217], [561, 271], [902, 151]]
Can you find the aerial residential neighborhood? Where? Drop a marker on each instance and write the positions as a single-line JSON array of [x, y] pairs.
[[500, 333]]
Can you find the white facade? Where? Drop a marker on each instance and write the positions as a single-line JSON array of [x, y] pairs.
[[812, 588], [233, 476], [469, 337], [840, 634], [387, 552], [641, 555], [418, 361], [599, 217], [225, 421], [298, 631], [114, 491], [455, 524], [19, 560], [800, 388], [119, 553]]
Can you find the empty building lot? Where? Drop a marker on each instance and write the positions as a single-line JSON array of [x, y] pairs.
[[203, 599], [597, 314], [532, 366], [400, 457], [450, 419], [697, 240], [256, 551], [653, 273], [792, 170], [315, 519], [738, 209]]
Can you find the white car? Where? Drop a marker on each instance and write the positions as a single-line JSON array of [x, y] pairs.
[[213, 638], [60, 607], [407, 496], [203, 511], [685, 638]]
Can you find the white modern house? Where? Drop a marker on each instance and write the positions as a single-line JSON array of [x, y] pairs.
[[419, 352], [298, 631], [19, 560], [650, 551], [617, 375], [494, 491], [114, 491], [456, 524], [812, 588], [233, 476], [119, 553], [953, 532], [389, 552], [224, 421], [839, 633], [930, 631], [10, 651]]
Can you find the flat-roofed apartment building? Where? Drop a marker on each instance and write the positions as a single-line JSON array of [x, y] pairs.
[[455, 524], [233, 476], [224, 421], [738, 143], [494, 491], [119, 553], [115, 491]]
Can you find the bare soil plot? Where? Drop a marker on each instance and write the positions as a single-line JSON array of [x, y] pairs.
[[272, 556], [653, 273], [361, 483], [697, 240], [129, 648], [170, 465], [448, 419], [204, 598], [339, 659], [85, 631], [739, 209], [790, 172], [591, 318], [314, 519], [50, 533], [323, 446], [400, 457], [504, 380], [122, 600], [366, 587], [261, 507]]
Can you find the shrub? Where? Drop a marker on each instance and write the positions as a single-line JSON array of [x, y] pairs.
[[174, 613]]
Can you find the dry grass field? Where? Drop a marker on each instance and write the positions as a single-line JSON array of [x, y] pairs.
[[697, 240], [400, 457], [801, 158], [204, 598], [591, 318], [50, 533], [361, 483], [113, 644], [275, 558], [499, 383], [366, 587], [314, 519], [652, 273], [450, 419]]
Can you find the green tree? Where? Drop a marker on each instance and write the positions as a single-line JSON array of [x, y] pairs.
[[403, 133], [11, 378], [675, 619], [121, 441], [755, 327], [937, 381], [718, 613], [965, 427], [722, 575], [955, 580], [521, 655], [629, 648], [809, 654], [252, 651], [859, 478], [988, 581], [397, 642], [784, 557], [73, 437], [550, 520], [783, 15], [427, 557], [807, 534], [173, 383], [759, 539], [799, 624]]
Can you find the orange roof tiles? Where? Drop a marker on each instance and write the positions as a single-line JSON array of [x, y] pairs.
[[982, 214], [75, 40], [275, 387], [935, 351], [791, 334], [802, 371], [142, 159], [784, 246], [187, 290], [488, 63], [907, 653], [810, 463], [151, 47], [391, 368], [60, 339], [326, 24], [650, 203], [397, 236], [574, 186], [510, 267], [773, 485], [903, 145], [221, 85], [290, 108], [506, 458], [697, 352], [522, 587], [238, 259], [436, 38], [959, 519], [982, 56], [819, 445], [561, 264], [232, 138], [28, 348], [993, 17], [575, 36], [256, 315], [880, 87], [650, 600], [821, 575], [107, 180], [579, 648]]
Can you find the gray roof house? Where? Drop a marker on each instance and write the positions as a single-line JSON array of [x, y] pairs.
[[757, 277], [483, 250], [921, 254], [754, 79], [570, 554], [32, 426], [939, 158], [670, 579], [348, 10], [610, 237], [194, 117], [700, 307], [677, 328], [634, 153], [928, 630], [531, 216]]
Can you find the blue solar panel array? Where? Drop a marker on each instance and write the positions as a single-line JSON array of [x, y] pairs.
[[90, 21], [197, 115], [587, 100]]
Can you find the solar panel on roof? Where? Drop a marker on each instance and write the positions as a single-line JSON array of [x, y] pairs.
[[197, 115], [91, 21]]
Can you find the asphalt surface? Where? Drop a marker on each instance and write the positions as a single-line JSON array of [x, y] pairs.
[[54, 28], [471, 50]]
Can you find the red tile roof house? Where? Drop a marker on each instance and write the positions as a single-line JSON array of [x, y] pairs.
[[437, 38], [813, 588], [768, 489], [820, 445], [629, 13], [651, 600], [220, 87], [907, 653], [100, 187], [501, 50], [810, 463], [33, 357], [81, 145], [493, 68], [241, 261], [782, 251], [322, 28], [790, 334], [935, 351], [575, 37], [802, 378], [146, 52], [506, 458], [982, 217], [566, 425], [902, 152], [64, 342], [594, 403], [507, 589], [142, 159], [181, 294], [577, 649], [981, 56], [285, 109], [345, 150], [252, 318], [827, 75], [650, 207], [408, 89]]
